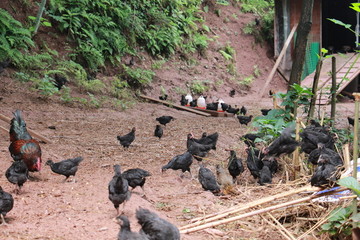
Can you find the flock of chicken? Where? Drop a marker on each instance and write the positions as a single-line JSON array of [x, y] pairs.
[[316, 141]]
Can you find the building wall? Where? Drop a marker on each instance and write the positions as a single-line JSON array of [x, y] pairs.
[[295, 14]]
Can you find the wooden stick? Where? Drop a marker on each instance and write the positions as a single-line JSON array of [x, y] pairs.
[[277, 227], [297, 151], [215, 216], [282, 227], [278, 60], [256, 212], [346, 153], [32, 133], [176, 106]]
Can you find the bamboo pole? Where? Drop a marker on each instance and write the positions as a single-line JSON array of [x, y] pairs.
[[297, 150], [346, 156], [314, 89], [333, 90], [256, 212], [32, 133], [212, 217], [356, 148]]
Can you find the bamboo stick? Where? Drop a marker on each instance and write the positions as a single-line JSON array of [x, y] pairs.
[[282, 227], [212, 217], [297, 150], [346, 156], [333, 90], [277, 227], [32, 133], [256, 212]]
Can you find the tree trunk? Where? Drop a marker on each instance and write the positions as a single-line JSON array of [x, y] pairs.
[[301, 42]]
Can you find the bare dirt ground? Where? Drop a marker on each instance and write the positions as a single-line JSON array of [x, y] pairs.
[[51, 209]]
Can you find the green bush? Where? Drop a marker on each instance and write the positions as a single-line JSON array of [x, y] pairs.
[[106, 30], [13, 38], [137, 77]]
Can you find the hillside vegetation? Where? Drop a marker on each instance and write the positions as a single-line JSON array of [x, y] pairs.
[[107, 48]]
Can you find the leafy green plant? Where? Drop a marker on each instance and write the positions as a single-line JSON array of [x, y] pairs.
[[108, 30], [157, 64], [43, 22], [46, 86], [199, 87], [13, 38], [342, 219], [270, 127], [137, 77], [247, 80], [297, 96], [257, 71], [262, 28], [228, 52]]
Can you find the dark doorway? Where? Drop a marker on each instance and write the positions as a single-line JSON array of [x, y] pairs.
[[334, 36]]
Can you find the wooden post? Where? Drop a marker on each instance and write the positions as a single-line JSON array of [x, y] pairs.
[[333, 90], [278, 60], [314, 90]]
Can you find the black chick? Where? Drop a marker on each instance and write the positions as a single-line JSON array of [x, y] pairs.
[[60, 81], [249, 139], [125, 232], [232, 93], [163, 97], [265, 112], [212, 106], [225, 106], [198, 150], [207, 180], [233, 110], [164, 119], [327, 171], [315, 154], [136, 177], [127, 139], [158, 131], [17, 174], [284, 144], [6, 204], [253, 161], [312, 136], [66, 167], [272, 163], [351, 121], [182, 162], [244, 119], [265, 175], [235, 165], [243, 110], [183, 100], [156, 228], [4, 64], [208, 139], [118, 189]]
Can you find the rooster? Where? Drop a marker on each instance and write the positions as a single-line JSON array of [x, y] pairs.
[[23, 146]]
